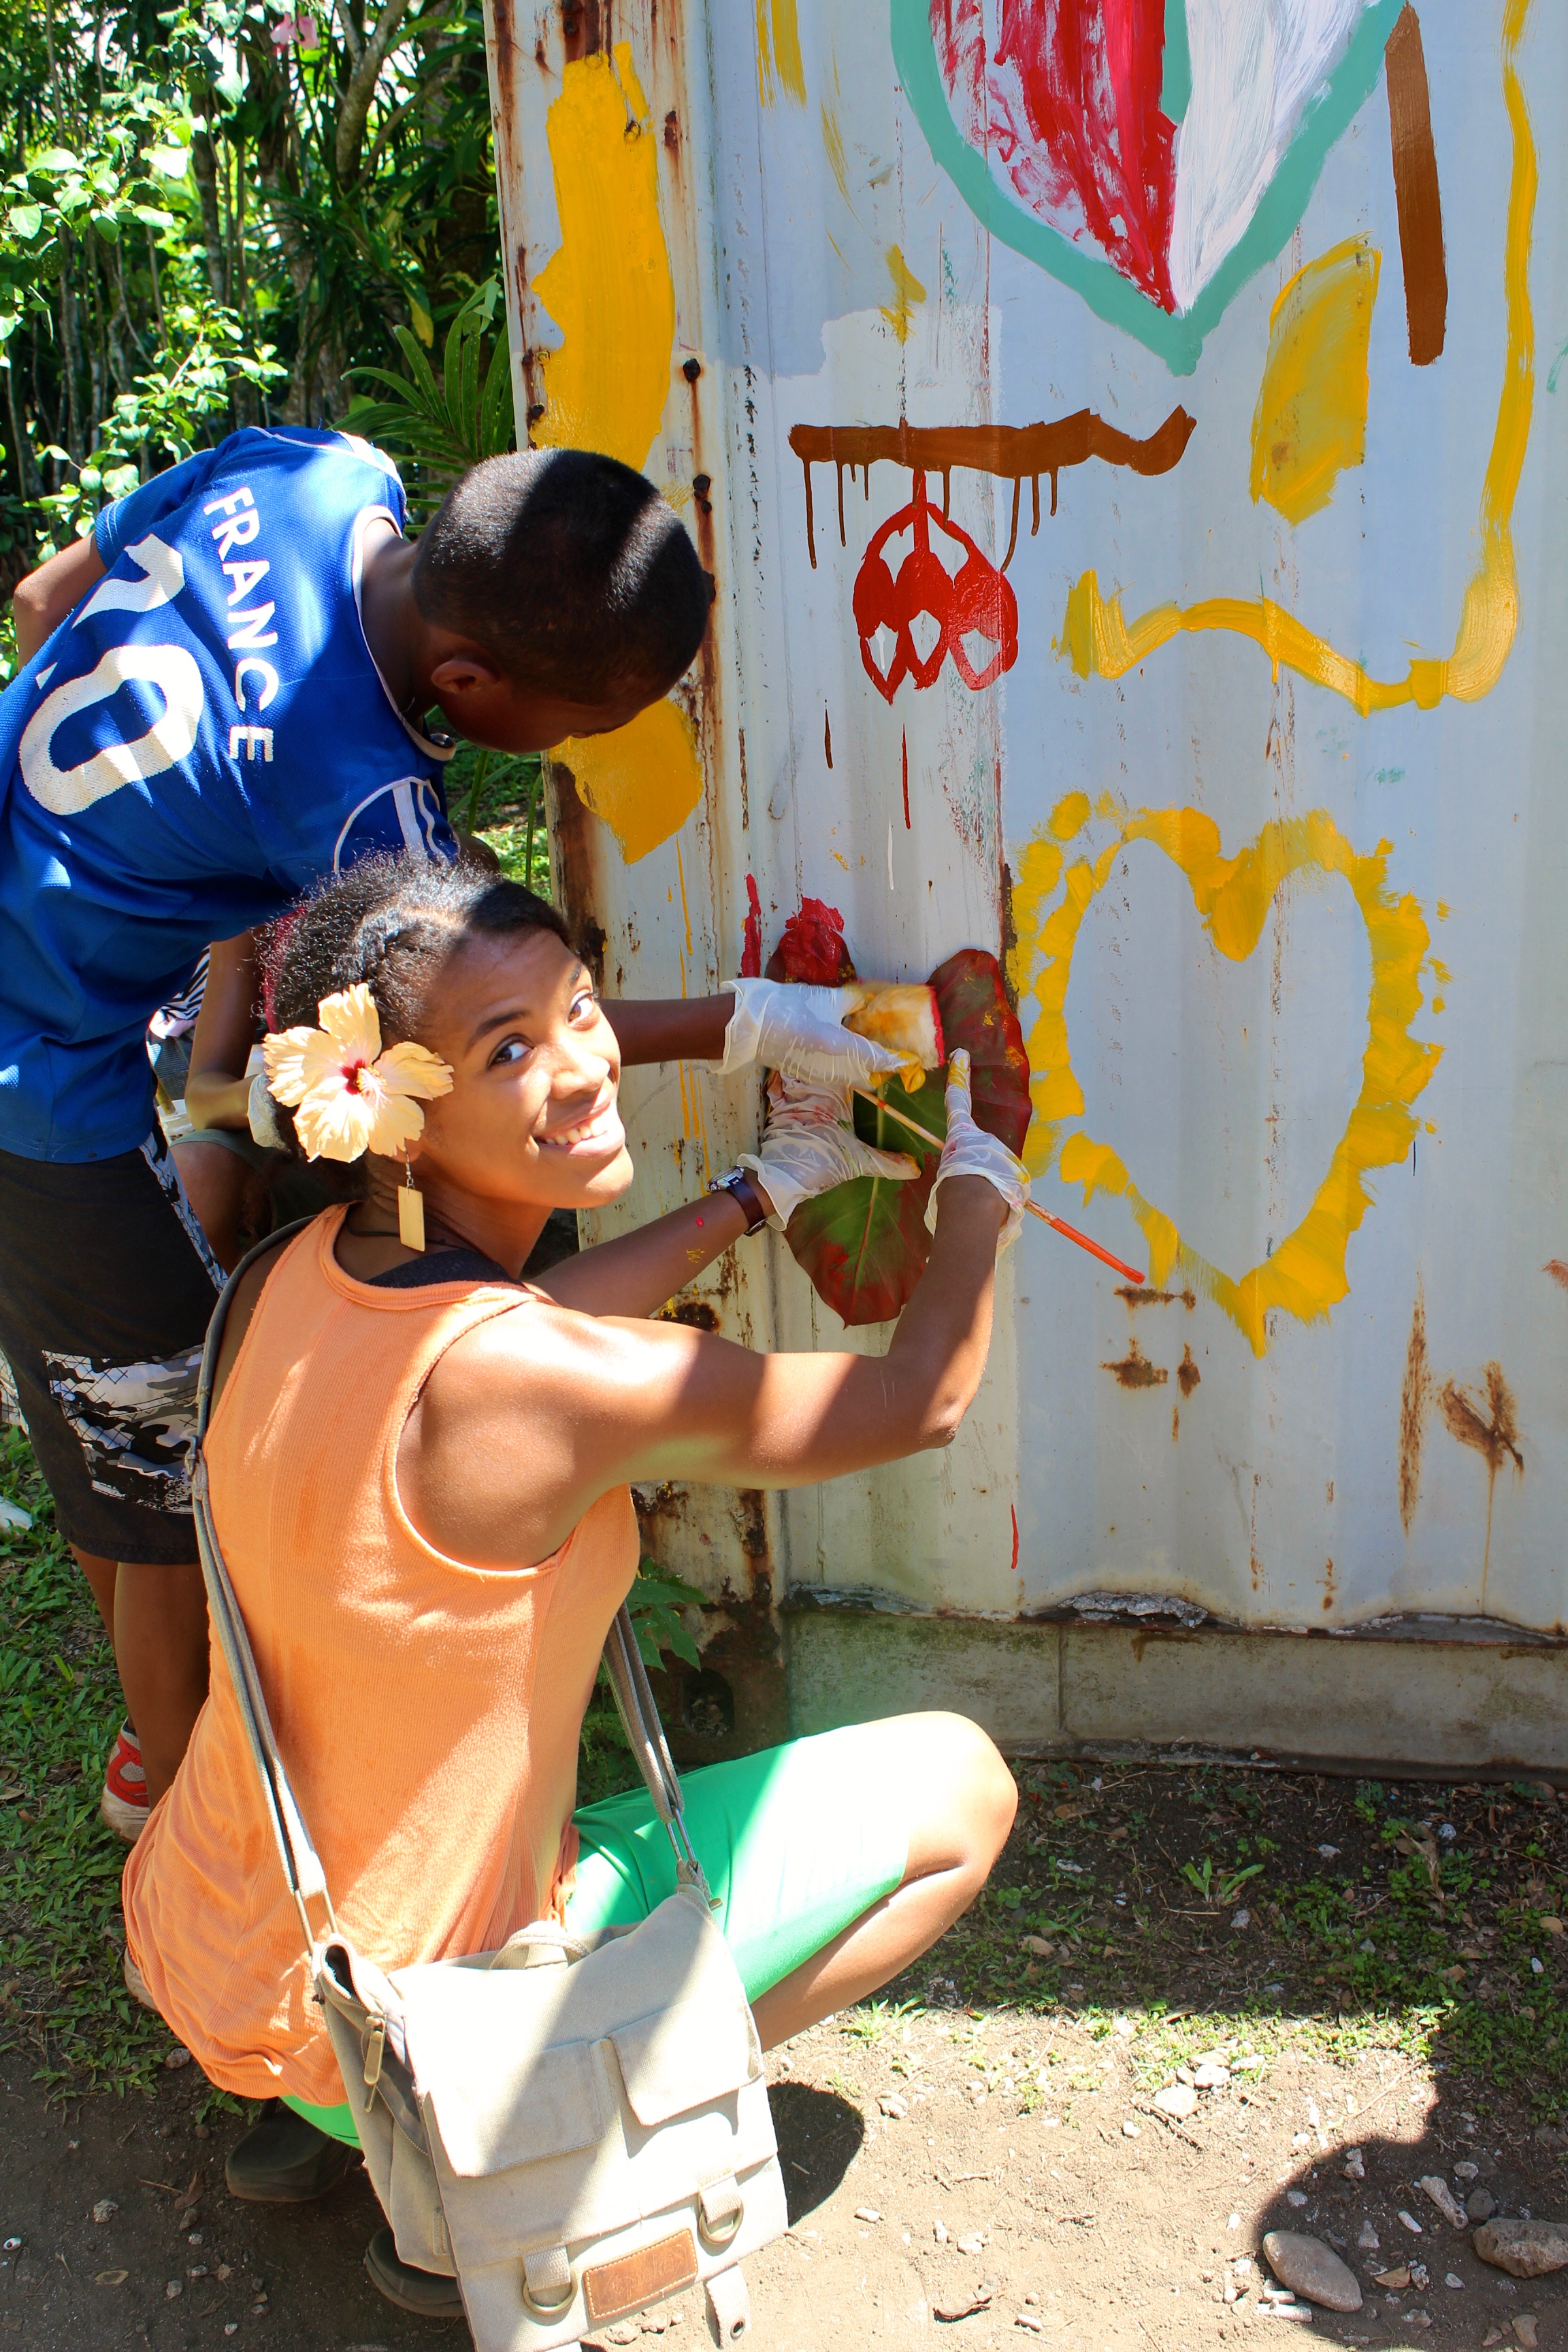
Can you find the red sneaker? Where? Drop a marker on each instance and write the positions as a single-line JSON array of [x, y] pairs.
[[123, 1804]]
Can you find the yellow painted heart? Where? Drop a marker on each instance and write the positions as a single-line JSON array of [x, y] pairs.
[[1306, 1274]]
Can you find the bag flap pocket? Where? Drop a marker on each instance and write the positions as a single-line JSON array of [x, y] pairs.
[[685, 2056], [501, 2094]]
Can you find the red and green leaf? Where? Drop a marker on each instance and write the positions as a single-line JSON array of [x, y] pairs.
[[864, 1244]]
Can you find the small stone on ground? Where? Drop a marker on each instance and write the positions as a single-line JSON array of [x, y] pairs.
[[1309, 2268]]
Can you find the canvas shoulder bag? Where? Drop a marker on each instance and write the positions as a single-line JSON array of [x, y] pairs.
[[574, 2127]]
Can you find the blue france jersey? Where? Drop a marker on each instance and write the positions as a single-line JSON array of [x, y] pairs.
[[200, 741]]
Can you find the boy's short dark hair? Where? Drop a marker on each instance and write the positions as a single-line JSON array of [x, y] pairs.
[[570, 570]]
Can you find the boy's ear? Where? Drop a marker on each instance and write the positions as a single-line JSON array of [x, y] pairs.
[[460, 672]]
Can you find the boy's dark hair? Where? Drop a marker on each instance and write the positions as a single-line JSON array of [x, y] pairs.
[[570, 570], [391, 922]]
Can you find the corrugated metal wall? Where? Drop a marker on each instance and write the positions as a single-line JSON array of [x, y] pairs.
[[1243, 362]]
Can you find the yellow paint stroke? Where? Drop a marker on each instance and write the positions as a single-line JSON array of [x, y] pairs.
[[780, 66], [833, 147], [1306, 1274], [608, 286], [642, 780], [907, 293], [1100, 641], [1311, 419]]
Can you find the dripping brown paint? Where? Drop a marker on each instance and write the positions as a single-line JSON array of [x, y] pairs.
[[1415, 1401], [1015, 452], [1416, 192], [1495, 1439]]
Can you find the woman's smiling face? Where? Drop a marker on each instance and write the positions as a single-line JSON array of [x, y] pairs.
[[532, 1115]]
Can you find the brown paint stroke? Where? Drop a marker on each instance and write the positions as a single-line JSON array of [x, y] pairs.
[[1496, 1441], [1146, 1298], [1414, 1402], [1135, 1370], [1416, 190], [1187, 1372], [1015, 452]]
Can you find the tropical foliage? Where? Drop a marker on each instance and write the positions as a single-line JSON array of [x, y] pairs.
[[214, 213]]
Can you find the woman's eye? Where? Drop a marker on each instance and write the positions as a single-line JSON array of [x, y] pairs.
[[515, 1049], [585, 1005]]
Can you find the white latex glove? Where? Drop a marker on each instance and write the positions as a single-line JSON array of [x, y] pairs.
[[790, 1027], [262, 1113], [970, 1151], [809, 1143]]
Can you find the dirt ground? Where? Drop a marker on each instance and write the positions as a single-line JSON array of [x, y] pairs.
[[1046, 2213], [1353, 1967]]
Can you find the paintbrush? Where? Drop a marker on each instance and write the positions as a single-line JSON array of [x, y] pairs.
[[1057, 1225]]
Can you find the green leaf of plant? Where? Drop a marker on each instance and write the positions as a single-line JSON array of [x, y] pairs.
[[25, 220], [865, 1244]]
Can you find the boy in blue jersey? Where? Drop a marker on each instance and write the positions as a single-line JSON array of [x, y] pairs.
[[224, 700]]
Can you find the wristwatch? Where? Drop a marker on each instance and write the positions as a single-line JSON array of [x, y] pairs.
[[737, 1182]]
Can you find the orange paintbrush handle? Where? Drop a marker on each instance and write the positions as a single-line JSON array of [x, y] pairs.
[[1072, 1234], [1059, 1224]]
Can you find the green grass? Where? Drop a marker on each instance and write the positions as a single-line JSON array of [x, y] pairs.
[[1453, 1924], [62, 1997]]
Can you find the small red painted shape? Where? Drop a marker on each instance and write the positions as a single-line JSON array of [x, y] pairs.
[[976, 601], [1065, 99], [752, 937], [1015, 1567], [812, 947]]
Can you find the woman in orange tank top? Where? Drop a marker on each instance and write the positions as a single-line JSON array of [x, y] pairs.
[[420, 1468]]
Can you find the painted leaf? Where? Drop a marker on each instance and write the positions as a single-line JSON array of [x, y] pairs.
[[864, 1244]]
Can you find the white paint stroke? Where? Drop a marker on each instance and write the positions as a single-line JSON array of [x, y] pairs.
[[1257, 65]]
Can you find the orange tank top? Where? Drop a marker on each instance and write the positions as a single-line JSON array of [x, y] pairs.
[[428, 1711]]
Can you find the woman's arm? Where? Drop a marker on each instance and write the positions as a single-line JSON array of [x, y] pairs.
[[534, 1417], [41, 602], [636, 1274], [218, 1090], [671, 1029]]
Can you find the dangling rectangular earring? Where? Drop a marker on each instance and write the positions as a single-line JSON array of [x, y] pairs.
[[410, 1213]]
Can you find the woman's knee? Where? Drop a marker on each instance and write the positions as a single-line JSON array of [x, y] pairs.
[[965, 1797]]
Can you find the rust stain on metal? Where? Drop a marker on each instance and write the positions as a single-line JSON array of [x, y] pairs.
[[1015, 452], [578, 868], [1329, 1593], [695, 1313], [1135, 1370], [580, 28], [1136, 1298], [1187, 1374], [1494, 1435], [1557, 1269], [1414, 1402], [1175, 1422]]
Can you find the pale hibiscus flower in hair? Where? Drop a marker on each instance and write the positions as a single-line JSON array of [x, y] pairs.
[[347, 1094]]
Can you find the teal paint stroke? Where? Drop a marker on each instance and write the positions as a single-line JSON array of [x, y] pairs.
[[1176, 85], [1556, 369], [1179, 341]]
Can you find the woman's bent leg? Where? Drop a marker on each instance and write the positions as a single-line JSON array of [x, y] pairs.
[[962, 1798], [836, 1860]]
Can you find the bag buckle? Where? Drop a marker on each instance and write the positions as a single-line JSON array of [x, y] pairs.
[[374, 2052]]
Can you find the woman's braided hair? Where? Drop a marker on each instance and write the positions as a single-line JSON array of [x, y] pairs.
[[391, 923]]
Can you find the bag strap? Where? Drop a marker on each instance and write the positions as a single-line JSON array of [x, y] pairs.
[[302, 1869]]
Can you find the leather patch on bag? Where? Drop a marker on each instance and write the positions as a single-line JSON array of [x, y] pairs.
[[614, 2290]]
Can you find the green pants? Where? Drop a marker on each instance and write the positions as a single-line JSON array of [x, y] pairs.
[[795, 1843]]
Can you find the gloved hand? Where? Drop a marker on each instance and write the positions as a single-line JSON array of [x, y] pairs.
[[809, 1143], [970, 1151], [790, 1027], [262, 1113]]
